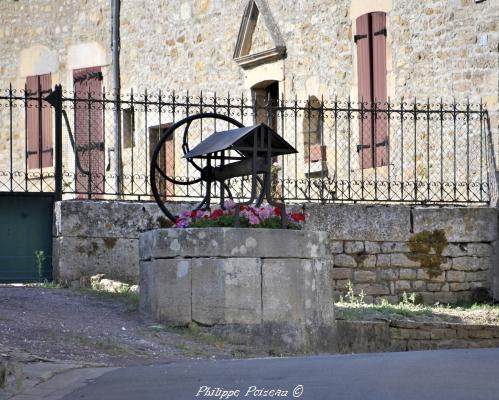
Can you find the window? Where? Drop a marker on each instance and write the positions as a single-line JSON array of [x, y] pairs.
[[89, 131], [40, 151], [370, 39], [128, 128], [166, 157], [265, 96]]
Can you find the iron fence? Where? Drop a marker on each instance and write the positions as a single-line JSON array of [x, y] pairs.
[[413, 152]]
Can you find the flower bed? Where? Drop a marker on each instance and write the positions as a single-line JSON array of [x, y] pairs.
[[249, 217]]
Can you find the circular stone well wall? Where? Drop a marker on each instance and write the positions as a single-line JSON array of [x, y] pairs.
[[267, 286]]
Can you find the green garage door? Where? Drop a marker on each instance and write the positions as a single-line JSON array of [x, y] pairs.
[[25, 237]]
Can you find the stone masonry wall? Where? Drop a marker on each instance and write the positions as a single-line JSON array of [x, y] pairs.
[[371, 246], [94, 237], [385, 251], [377, 336]]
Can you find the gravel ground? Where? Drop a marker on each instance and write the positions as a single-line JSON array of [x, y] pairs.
[[95, 328]]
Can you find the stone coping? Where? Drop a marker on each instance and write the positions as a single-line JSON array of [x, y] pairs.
[[233, 242]]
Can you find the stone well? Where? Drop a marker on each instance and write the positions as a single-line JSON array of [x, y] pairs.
[[263, 286]]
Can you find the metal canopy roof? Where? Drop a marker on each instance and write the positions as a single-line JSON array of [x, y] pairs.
[[240, 139]]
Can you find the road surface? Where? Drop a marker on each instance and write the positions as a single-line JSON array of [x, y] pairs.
[[444, 374]]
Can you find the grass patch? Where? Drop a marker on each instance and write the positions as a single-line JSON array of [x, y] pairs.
[[46, 284], [352, 307]]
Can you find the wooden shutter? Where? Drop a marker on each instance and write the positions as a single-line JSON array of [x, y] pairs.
[[380, 96], [371, 71], [40, 150], [364, 147], [89, 134]]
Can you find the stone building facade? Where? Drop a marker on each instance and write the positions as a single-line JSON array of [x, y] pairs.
[[306, 50]]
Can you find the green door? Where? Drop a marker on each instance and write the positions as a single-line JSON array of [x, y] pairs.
[[25, 237]]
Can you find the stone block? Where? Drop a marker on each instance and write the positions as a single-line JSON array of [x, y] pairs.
[[366, 261], [383, 260], [165, 290], [388, 274], [394, 247], [446, 297], [353, 247], [477, 276], [372, 289], [372, 247], [478, 285], [233, 242], [342, 273], [469, 249], [414, 334], [362, 337], [406, 273], [341, 284], [455, 276], [423, 274], [398, 345], [77, 257], [413, 345], [419, 285], [294, 290], [471, 263], [343, 260], [360, 222], [226, 290], [360, 276], [446, 265], [455, 250], [104, 218], [336, 246], [458, 286], [401, 260], [429, 297], [480, 249], [464, 224], [434, 287], [442, 333], [453, 344], [401, 286]]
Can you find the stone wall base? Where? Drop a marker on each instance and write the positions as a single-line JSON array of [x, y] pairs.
[[262, 286], [374, 336]]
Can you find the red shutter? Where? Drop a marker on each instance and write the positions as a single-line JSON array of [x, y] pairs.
[[47, 143], [380, 95], [40, 144], [32, 126], [89, 134], [364, 89]]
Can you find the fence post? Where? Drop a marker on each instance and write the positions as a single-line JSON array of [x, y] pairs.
[[55, 100]]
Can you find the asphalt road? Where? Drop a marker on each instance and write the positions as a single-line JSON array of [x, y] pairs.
[[444, 374]]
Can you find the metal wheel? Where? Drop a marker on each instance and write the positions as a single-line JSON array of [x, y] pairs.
[[155, 167]]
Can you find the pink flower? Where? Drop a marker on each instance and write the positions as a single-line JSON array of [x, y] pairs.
[[185, 214], [200, 214], [229, 204], [182, 223], [253, 219]]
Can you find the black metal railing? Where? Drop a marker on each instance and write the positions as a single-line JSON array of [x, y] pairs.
[[413, 152]]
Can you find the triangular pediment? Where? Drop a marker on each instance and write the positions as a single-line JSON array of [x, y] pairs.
[[259, 40]]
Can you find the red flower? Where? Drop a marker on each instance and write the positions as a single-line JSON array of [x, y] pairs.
[[193, 214], [298, 216], [277, 211], [216, 213]]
